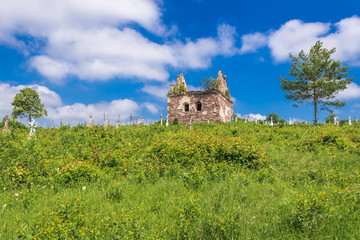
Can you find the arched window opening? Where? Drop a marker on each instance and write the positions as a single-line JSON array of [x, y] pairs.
[[198, 106], [187, 107]]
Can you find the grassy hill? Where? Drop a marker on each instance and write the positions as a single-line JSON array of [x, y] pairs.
[[216, 181]]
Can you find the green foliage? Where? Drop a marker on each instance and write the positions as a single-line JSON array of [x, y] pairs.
[[274, 117], [181, 89], [176, 121], [216, 181], [27, 103], [227, 94], [13, 124], [210, 84], [330, 118], [318, 79]]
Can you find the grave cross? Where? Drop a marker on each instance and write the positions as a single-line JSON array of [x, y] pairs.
[[131, 117], [118, 122], [6, 127]]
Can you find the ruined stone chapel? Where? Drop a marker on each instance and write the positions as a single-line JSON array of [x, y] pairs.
[[199, 106]]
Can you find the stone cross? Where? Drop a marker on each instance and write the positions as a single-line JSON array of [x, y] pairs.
[[290, 122], [131, 118], [161, 119], [141, 119], [349, 120], [6, 127], [32, 125], [355, 119], [44, 125], [334, 120], [271, 122], [118, 123], [90, 121], [53, 126], [167, 122]]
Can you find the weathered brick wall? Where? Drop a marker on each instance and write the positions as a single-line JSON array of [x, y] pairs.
[[215, 107]]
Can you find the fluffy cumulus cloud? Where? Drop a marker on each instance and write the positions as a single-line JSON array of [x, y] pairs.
[[8, 92], [94, 39], [350, 93], [77, 112], [252, 42], [159, 91], [296, 35], [252, 116]]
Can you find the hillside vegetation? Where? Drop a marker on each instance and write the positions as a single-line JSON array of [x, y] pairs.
[[215, 181]]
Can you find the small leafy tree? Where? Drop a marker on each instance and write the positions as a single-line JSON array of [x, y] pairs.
[[330, 118], [27, 103], [318, 79], [209, 84], [274, 116]]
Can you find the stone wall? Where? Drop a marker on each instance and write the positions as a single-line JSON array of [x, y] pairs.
[[215, 107]]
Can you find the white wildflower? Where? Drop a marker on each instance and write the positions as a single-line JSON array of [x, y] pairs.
[[16, 194], [5, 205], [83, 188]]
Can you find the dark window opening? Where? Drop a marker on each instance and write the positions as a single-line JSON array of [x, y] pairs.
[[198, 106], [186, 107]]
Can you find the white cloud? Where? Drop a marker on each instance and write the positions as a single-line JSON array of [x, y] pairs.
[[92, 39], [157, 91], [350, 93], [8, 92], [199, 53], [252, 42], [153, 108], [295, 35], [346, 40], [252, 117], [39, 17], [77, 112]]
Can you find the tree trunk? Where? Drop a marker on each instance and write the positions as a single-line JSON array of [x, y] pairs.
[[316, 111], [315, 107]]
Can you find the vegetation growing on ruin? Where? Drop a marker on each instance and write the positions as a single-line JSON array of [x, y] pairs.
[[216, 181]]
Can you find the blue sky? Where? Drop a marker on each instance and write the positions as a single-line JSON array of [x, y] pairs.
[[120, 56]]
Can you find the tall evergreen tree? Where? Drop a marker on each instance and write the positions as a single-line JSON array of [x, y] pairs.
[[318, 79]]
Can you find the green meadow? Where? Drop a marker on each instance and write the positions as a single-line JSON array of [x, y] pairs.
[[214, 181]]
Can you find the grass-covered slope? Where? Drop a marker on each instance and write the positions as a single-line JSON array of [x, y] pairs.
[[216, 181]]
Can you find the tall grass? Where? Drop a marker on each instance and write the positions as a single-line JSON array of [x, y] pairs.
[[216, 181]]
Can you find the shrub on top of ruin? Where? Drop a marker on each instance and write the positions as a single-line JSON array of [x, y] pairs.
[[210, 84], [227, 94]]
